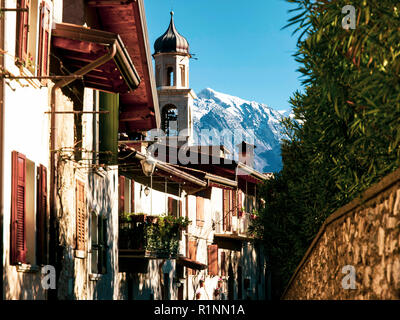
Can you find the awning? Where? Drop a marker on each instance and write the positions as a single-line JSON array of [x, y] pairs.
[[77, 46], [231, 241], [165, 177], [192, 264], [139, 110]]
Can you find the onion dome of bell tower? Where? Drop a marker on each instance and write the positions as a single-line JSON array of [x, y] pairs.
[[171, 41]]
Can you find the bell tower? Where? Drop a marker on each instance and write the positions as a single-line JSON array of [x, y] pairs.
[[171, 55]]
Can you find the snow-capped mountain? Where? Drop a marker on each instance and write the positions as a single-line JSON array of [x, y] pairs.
[[253, 122]]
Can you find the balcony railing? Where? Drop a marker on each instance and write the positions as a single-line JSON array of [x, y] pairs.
[[150, 236]]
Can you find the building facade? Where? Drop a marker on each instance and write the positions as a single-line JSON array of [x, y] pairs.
[[82, 194]]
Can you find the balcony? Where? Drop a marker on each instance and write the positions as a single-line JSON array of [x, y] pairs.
[[144, 237], [233, 240]]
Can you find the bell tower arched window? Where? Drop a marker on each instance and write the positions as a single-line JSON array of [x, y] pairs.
[[183, 76], [169, 120], [170, 76]]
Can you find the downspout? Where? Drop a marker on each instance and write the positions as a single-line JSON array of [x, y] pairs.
[[53, 241], [2, 24]]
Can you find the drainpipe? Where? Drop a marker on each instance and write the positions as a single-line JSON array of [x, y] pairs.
[[53, 245], [2, 24]]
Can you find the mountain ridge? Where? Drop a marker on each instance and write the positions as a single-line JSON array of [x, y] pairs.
[[219, 112]]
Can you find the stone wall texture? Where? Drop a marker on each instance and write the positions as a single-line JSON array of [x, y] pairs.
[[364, 234]]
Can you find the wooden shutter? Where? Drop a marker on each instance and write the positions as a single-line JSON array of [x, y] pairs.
[[21, 45], [226, 210], [132, 196], [212, 251], [170, 206], [44, 40], [234, 202], [18, 209], [108, 127], [223, 264], [102, 232], [192, 250], [173, 207], [240, 204], [80, 216], [41, 209], [121, 195], [199, 211]]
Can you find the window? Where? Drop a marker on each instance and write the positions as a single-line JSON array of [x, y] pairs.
[[33, 36], [199, 211], [174, 207], [169, 120], [80, 216], [158, 76], [250, 203], [170, 77], [28, 243], [21, 45], [212, 252], [44, 40], [126, 195], [41, 221], [183, 76], [98, 244]]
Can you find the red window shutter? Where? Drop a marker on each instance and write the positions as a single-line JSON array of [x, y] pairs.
[[121, 194], [173, 207], [192, 250], [212, 251], [170, 206], [21, 44], [44, 38], [41, 209], [240, 205], [80, 216], [234, 202], [199, 211], [226, 210], [223, 264], [132, 196], [18, 209]]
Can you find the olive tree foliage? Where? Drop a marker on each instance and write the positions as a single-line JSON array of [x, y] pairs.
[[346, 131]]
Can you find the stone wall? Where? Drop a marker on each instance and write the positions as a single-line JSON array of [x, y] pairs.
[[365, 235]]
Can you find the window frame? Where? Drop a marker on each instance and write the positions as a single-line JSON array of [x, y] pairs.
[[33, 179], [80, 219]]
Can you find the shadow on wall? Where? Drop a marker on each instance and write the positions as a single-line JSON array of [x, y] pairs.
[[65, 260], [107, 287], [21, 286], [148, 286], [253, 275]]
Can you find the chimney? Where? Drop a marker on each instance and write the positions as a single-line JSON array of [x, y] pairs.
[[246, 153]]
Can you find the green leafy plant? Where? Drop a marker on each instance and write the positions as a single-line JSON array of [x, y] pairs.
[[346, 132], [156, 234]]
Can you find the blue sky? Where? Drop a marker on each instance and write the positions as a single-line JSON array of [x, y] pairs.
[[240, 46]]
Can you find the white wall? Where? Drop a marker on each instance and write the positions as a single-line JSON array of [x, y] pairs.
[[26, 130]]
